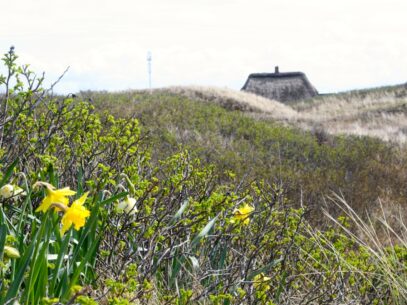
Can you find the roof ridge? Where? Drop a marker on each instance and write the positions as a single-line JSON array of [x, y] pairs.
[[279, 74]]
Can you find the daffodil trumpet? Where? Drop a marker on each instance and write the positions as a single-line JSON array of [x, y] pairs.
[[59, 207]]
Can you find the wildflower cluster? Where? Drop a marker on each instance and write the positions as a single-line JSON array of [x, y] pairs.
[[44, 246], [75, 214]]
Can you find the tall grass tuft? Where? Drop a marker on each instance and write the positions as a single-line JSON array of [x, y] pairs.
[[387, 249]]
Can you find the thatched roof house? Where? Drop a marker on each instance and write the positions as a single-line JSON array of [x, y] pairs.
[[282, 87]]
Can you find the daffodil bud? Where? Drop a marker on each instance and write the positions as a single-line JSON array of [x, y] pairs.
[[6, 191], [11, 252], [121, 206], [130, 206]]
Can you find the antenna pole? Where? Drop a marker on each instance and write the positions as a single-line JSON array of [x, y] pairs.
[[149, 59]]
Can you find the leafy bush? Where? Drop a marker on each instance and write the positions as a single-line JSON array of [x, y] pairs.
[[309, 166]]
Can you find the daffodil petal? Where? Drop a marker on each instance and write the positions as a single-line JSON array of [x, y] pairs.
[[66, 224], [82, 199]]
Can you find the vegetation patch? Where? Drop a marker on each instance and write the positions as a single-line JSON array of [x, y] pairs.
[[204, 206]]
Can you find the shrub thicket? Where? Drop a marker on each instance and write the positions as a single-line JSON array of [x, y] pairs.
[[310, 165]]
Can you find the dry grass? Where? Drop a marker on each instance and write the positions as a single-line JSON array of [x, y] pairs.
[[380, 234], [237, 100], [380, 113]]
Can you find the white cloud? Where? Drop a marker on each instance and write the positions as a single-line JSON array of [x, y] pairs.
[[339, 44]]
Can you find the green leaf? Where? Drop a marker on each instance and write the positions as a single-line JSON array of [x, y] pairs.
[[80, 181], [194, 262], [177, 262], [3, 235], [181, 210], [114, 198], [9, 173], [265, 268], [204, 231], [78, 270], [58, 263]]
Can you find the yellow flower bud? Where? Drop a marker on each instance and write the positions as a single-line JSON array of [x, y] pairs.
[[11, 252], [131, 206]]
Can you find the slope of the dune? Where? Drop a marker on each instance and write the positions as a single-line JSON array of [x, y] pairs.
[[378, 112], [236, 100], [254, 145]]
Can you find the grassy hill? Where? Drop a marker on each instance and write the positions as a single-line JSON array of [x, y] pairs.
[[309, 148], [377, 112]]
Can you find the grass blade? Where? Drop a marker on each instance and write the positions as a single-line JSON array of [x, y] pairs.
[[8, 173], [204, 231]]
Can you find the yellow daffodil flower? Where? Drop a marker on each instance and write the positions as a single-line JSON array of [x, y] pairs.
[[75, 215], [261, 281], [53, 196], [128, 206], [11, 252], [242, 214]]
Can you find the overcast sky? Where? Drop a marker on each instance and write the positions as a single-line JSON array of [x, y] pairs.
[[339, 44]]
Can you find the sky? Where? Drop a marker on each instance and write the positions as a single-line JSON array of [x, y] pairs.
[[339, 44]]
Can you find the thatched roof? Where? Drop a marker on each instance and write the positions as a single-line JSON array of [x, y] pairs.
[[283, 87]]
